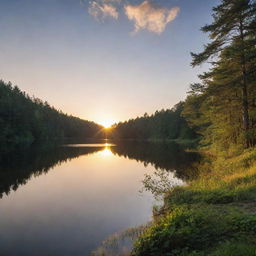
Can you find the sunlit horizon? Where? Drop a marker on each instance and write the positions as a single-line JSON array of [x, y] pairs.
[[107, 123], [86, 65]]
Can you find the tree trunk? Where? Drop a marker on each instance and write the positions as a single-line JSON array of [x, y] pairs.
[[245, 105], [245, 114]]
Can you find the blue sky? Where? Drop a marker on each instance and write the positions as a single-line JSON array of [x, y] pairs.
[[96, 66]]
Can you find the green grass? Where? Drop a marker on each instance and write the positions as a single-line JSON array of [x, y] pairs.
[[214, 215]]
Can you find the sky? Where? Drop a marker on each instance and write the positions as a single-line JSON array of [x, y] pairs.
[[103, 60]]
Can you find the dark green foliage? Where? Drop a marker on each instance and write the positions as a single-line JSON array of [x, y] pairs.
[[235, 248], [163, 125], [213, 214], [24, 120], [199, 230], [212, 196], [223, 107]]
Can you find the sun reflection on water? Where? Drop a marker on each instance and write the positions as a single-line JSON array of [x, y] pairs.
[[106, 151]]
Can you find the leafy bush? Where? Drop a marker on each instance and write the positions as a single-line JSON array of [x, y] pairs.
[[194, 230]]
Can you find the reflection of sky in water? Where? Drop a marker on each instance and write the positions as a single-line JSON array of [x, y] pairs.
[[91, 145], [73, 207]]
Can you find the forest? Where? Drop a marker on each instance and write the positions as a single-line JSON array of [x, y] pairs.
[[162, 125], [25, 120], [222, 107]]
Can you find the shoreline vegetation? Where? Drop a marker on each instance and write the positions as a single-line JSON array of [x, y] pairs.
[[213, 215]]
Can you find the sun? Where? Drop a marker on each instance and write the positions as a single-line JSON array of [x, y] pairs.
[[107, 123]]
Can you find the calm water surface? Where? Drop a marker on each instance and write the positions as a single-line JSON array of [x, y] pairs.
[[66, 200]]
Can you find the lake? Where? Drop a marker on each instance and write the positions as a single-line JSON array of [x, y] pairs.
[[65, 200]]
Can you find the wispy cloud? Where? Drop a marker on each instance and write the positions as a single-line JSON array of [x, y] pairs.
[[150, 17], [103, 9], [146, 15]]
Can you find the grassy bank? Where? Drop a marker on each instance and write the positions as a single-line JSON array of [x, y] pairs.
[[187, 143], [213, 215]]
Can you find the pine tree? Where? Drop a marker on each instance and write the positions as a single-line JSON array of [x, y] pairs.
[[232, 53]]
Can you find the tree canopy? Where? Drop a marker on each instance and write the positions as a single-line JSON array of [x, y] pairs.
[[25, 119], [222, 107], [162, 125]]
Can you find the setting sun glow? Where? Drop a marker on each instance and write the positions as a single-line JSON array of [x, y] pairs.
[[107, 123]]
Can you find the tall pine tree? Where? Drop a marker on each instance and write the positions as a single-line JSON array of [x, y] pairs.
[[232, 53]]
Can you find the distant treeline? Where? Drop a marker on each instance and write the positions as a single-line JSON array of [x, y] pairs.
[[162, 125], [25, 119]]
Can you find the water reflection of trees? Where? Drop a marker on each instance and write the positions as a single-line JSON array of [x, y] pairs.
[[18, 166], [166, 156]]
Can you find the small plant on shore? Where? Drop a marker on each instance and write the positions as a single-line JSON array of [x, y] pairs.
[[160, 183], [120, 244]]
